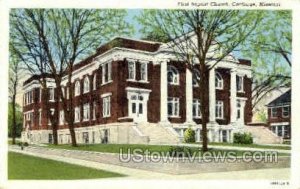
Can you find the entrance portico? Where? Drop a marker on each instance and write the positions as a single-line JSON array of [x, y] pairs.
[[137, 103]]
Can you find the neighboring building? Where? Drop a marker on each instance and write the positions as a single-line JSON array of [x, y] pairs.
[[134, 91], [260, 111], [279, 115]]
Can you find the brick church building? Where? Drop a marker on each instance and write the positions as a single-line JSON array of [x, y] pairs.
[[134, 91]]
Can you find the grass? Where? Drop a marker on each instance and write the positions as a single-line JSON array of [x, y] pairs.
[[22, 166], [162, 149], [252, 146]]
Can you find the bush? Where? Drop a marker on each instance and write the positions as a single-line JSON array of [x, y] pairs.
[[180, 151], [189, 135], [242, 138]]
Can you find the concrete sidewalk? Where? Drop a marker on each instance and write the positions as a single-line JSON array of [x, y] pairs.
[[271, 174]]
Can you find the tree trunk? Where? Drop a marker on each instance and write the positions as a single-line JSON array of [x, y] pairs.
[[14, 126], [204, 100], [71, 109]]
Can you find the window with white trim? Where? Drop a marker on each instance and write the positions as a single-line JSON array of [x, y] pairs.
[[285, 111], [144, 72], [52, 111], [94, 81], [196, 108], [51, 94], [77, 114], [86, 112], [219, 109], [86, 85], [131, 70], [219, 81], [106, 72], [106, 106], [61, 117], [94, 110], [173, 107], [196, 78], [173, 75], [274, 112], [240, 83], [77, 88], [40, 117]]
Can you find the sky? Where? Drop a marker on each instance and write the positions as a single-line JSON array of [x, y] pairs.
[[130, 18]]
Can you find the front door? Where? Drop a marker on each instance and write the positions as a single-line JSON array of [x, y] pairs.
[[137, 108]]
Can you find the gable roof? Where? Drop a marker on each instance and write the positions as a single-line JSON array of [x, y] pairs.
[[284, 99]]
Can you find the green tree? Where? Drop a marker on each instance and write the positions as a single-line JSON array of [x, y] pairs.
[[52, 40], [14, 76], [270, 48], [201, 39], [14, 129]]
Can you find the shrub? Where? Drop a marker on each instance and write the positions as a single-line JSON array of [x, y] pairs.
[[189, 135], [242, 138]]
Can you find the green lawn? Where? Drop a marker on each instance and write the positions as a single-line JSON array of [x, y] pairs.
[[252, 146], [115, 148], [22, 166]]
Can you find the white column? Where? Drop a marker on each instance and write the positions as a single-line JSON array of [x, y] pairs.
[[243, 102], [212, 96], [163, 93], [233, 100], [189, 96]]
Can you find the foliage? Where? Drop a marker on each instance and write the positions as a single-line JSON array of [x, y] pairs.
[[242, 138], [22, 166], [19, 120], [189, 135], [262, 116], [270, 49]]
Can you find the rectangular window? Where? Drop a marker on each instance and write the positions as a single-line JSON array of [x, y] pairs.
[[144, 72], [86, 112], [106, 73], [94, 110], [240, 84], [61, 117], [77, 114], [51, 94], [173, 107], [52, 111], [85, 136], [219, 110], [196, 108], [285, 111], [273, 112], [40, 117], [106, 106], [131, 70]]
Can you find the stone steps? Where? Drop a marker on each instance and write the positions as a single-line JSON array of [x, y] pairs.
[[158, 134], [263, 135]]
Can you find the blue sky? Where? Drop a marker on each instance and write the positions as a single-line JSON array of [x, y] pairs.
[[130, 18]]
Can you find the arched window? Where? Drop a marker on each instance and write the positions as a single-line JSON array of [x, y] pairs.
[[94, 82], [196, 78], [86, 84], [173, 75], [77, 88], [219, 81]]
